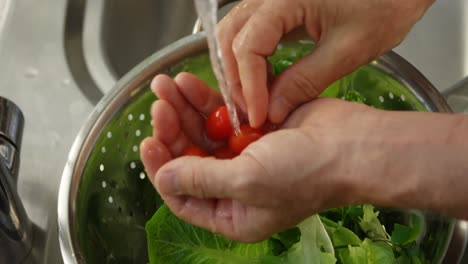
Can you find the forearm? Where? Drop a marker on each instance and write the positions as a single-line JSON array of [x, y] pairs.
[[417, 160]]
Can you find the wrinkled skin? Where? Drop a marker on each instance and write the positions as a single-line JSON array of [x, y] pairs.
[[348, 34], [244, 206], [327, 152]]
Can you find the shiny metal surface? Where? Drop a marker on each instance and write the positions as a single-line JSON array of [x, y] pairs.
[[457, 96], [11, 122], [15, 227], [4, 12], [11, 134], [112, 45], [458, 244], [438, 44], [9, 157], [45, 71], [36, 76], [84, 142], [129, 85]]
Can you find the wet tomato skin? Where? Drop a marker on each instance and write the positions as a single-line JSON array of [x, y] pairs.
[[237, 143], [217, 125], [224, 153], [193, 150]]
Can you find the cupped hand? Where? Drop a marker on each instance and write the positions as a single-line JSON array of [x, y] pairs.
[[273, 184], [348, 34]]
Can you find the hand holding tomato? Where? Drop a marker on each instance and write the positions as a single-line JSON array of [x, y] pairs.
[[247, 135], [218, 127], [278, 180]]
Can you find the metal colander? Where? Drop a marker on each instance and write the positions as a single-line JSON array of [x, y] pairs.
[[105, 196]]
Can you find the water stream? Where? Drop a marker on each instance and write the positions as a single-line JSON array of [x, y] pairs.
[[208, 13]]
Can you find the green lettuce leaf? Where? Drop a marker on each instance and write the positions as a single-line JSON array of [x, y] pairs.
[[286, 239], [403, 234], [371, 225], [171, 240], [405, 259], [368, 253], [315, 245], [342, 236]]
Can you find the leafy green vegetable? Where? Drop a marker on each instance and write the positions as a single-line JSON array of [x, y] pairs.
[[404, 235], [315, 245], [286, 239], [171, 240], [342, 236], [352, 234], [368, 252], [371, 225]]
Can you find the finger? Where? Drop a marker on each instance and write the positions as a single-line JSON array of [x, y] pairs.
[[191, 122], [227, 29], [212, 214], [153, 155], [334, 57], [230, 218], [166, 127], [202, 97], [207, 177], [257, 40]]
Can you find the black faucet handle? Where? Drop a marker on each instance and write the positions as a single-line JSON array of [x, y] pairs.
[[11, 122], [15, 227]]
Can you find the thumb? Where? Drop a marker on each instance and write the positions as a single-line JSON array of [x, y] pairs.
[[200, 177], [306, 79]]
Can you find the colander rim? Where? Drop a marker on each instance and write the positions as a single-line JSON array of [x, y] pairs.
[[391, 63]]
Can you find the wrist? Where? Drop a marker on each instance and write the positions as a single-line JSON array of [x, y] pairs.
[[414, 160]]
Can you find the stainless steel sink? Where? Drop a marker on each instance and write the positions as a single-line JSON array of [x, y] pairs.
[[59, 57], [158, 23], [438, 45], [113, 44], [118, 34]]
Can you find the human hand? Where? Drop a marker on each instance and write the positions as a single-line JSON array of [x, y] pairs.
[[275, 183], [348, 34]]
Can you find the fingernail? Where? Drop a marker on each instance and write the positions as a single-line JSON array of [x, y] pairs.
[[252, 119], [166, 181], [154, 81], [152, 84]]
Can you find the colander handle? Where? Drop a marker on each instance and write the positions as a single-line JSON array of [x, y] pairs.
[[221, 3], [457, 96]]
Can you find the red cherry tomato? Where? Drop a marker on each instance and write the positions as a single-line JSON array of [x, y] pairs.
[[194, 151], [268, 127], [224, 153], [247, 136], [218, 126]]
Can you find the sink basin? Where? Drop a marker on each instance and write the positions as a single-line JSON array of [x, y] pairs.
[[151, 26], [67, 54], [112, 45], [438, 44]]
